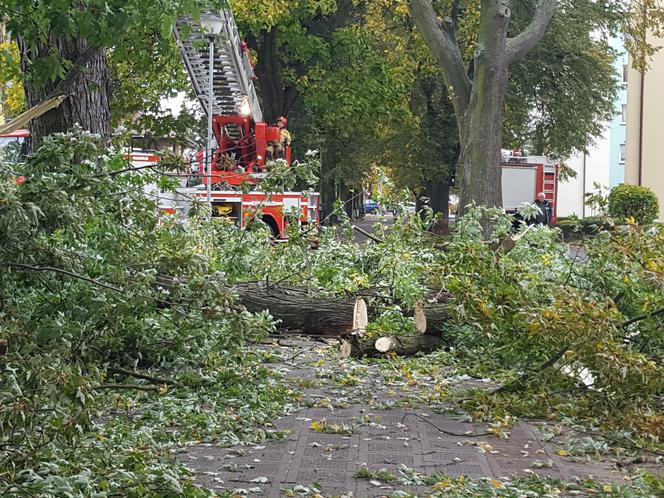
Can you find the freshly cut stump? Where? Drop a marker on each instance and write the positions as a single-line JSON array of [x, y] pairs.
[[420, 317], [360, 317]]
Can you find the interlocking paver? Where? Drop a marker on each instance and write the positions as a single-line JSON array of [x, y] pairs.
[[383, 437]]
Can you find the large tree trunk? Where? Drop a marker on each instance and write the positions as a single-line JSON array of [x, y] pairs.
[[480, 134], [478, 103], [277, 99], [86, 85], [438, 192], [481, 125]]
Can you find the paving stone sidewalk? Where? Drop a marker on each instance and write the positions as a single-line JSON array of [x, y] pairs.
[[353, 416]]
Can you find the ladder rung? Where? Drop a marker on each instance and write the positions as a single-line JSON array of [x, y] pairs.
[[232, 75]]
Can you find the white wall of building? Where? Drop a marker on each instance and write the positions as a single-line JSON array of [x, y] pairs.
[[604, 162], [590, 168]]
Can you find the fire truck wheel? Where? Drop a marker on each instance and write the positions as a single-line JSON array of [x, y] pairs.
[[265, 221], [271, 222]]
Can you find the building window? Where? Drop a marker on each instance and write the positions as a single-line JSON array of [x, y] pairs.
[[624, 114], [622, 153], [625, 72]]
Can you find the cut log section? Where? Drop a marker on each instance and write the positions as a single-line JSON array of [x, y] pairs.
[[384, 344], [346, 349], [402, 346], [360, 317], [437, 315], [420, 317], [509, 242]]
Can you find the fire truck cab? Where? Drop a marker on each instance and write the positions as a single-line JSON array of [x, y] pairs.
[[10, 144]]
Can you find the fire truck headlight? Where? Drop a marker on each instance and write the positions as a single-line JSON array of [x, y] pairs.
[[245, 108], [259, 157]]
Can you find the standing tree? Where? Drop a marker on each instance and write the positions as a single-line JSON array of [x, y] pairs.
[[478, 82], [86, 84], [478, 102], [289, 39], [63, 51]]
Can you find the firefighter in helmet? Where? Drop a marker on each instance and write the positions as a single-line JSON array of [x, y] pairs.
[[277, 150]]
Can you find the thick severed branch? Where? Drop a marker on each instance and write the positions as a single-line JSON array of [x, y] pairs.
[[139, 375], [136, 387], [367, 234], [520, 382], [441, 40], [525, 41]]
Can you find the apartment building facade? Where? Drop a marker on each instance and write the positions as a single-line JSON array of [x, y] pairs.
[[644, 163], [604, 162]]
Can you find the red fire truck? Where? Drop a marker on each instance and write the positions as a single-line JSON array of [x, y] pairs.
[[222, 76], [524, 177], [226, 198]]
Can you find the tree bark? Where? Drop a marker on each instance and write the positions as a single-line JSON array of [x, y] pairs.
[[268, 72], [438, 192], [86, 86], [296, 310], [480, 128]]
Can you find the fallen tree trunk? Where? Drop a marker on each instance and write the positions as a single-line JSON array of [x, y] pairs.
[[298, 311], [436, 316], [357, 347], [311, 314]]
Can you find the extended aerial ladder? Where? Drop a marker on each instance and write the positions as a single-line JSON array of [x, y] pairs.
[[241, 135], [232, 72], [237, 121]]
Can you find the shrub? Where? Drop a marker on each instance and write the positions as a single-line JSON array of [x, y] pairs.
[[633, 201]]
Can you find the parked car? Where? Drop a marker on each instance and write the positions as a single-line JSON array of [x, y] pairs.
[[370, 206]]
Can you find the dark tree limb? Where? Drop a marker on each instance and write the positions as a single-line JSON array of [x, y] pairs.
[[441, 39], [525, 41], [139, 375], [526, 376], [136, 387], [645, 316], [367, 234], [29, 268]]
